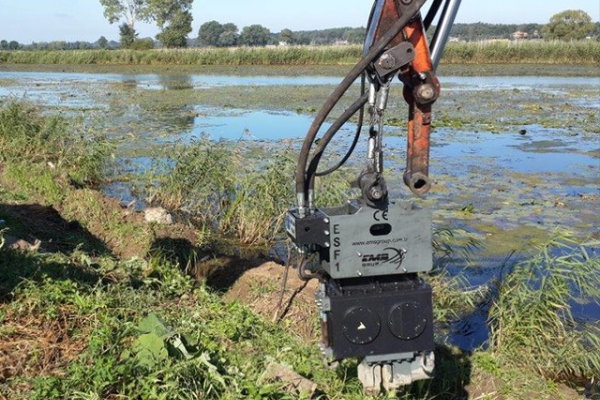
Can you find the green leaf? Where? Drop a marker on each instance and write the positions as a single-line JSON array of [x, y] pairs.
[[150, 350], [154, 324]]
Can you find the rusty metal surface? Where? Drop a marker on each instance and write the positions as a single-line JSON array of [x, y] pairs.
[[416, 175]]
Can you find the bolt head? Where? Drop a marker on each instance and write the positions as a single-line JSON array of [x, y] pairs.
[[426, 92], [387, 61], [375, 193]]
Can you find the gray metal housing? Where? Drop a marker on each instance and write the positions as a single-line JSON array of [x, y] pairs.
[[366, 241]]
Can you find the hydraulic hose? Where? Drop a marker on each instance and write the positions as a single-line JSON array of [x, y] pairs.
[[301, 185], [333, 129], [433, 10], [354, 141]]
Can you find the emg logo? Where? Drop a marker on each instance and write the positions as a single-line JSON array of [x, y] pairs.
[[391, 256], [375, 257], [397, 256]]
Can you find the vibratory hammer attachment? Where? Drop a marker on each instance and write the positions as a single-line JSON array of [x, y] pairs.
[[368, 254], [373, 305]]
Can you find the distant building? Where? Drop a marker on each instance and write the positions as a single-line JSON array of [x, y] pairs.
[[341, 43], [519, 35]]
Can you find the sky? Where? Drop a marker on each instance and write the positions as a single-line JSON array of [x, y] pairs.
[[29, 21]]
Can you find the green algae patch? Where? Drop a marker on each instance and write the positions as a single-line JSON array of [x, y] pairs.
[[500, 243]]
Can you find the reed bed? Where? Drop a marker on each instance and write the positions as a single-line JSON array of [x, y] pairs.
[[532, 319], [231, 195], [307, 55], [524, 52], [500, 52], [32, 144]]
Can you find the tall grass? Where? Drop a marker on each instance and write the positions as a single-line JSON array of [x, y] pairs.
[[34, 146], [501, 52], [532, 319], [306, 55], [523, 52], [235, 196]]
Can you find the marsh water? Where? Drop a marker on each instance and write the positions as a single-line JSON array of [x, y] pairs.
[[513, 158]]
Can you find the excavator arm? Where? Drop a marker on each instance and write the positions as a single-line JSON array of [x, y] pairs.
[[368, 253]]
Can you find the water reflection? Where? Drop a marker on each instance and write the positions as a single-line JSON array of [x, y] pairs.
[[175, 82], [178, 81], [246, 124]]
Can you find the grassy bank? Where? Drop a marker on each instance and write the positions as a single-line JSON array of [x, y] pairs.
[[518, 52], [101, 310], [524, 52]]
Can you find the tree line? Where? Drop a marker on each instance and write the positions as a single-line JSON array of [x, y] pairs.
[[174, 19]]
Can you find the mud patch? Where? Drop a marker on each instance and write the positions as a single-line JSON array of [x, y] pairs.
[[260, 289]]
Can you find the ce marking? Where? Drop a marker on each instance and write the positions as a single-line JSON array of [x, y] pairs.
[[380, 216]]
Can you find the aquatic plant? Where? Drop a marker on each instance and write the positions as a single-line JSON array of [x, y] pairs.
[[245, 199], [532, 320], [35, 146]]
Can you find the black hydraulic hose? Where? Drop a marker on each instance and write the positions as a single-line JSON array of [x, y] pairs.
[[333, 129], [302, 274], [359, 124], [334, 97], [433, 10]]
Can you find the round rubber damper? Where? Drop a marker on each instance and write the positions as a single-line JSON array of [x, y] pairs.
[[407, 321], [361, 325]]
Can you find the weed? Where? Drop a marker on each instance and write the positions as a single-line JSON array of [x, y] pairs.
[[532, 322], [39, 149], [217, 186]]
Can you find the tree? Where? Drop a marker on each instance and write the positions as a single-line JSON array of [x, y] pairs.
[[175, 34], [596, 31], [13, 45], [143, 44], [174, 17], [127, 36], [129, 10], [568, 25], [210, 32], [255, 35], [354, 35], [228, 39], [286, 36], [3, 45], [230, 36], [230, 27], [163, 11], [102, 42]]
